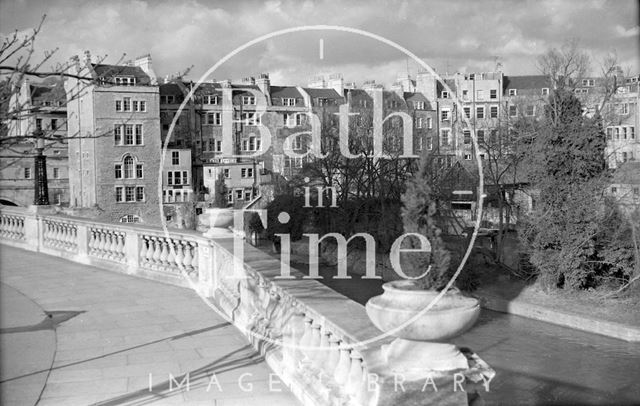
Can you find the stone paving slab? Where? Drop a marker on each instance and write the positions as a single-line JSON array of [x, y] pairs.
[[120, 336]]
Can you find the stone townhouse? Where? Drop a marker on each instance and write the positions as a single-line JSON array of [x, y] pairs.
[[35, 109], [114, 162]]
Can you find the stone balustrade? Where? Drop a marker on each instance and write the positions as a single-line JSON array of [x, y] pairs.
[[311, 336]]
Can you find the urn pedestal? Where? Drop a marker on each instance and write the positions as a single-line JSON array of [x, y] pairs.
[[422, 322]]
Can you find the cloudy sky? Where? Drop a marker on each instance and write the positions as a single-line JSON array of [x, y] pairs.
[[449, 35]]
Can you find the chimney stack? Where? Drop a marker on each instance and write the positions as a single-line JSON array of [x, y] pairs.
[[144, 63], [264, 84]]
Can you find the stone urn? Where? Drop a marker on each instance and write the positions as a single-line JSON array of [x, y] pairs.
[[219, 221], [420, 346]]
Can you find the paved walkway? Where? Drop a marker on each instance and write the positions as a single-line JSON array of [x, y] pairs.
[[73, 334]]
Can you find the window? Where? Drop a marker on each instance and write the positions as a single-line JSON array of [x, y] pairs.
[[226, 173], [493, 111], [118, 171], [130, 218], [419, 122], [480, 135], [117, 135], [119, 197], [444, 136], [624, 108], [467, 137], [128, 167], [513, 92], [185, 177], [288, 101], [230, 196], [480, 112], [139, 172], [624, 133], [210, 99], [247, 194], [129, 193], [142, 106], [250, 118], [588, 82], [290, 119], [128, 134], [140, 193], [118, 105], [624, 157], [238, 193], [175, 157], [617, 133], [513, 111], [56, 173], [614, 190], [214, 118], [27, 173], [494, 137], [480, 94], [545, 91], [246, 172], [124, 81], [218, 146], [169, 178], [54, 124], [38, 124], [418, 105], [420, 144], [248, 100], [609, 133], [467, 112], [467, 157], [429, 143], [429, 122], [126, 104], [444, 114], [493, 93], [251, 144], [530, 110], [465, 95], [57, 198], [444, 94], [632, 133], [138, 134]]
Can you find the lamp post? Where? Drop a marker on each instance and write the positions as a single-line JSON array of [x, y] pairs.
[[41, 189]]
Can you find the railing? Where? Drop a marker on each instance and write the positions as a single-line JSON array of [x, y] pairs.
[[319, 330]]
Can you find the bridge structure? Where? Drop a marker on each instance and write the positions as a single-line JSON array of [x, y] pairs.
[[233, 312]]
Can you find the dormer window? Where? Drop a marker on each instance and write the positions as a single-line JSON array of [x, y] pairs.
[[545, 91], [210, 99], [444, 94], [248, 100], [418, 105], [124, 81], [588, 82], [513, 92], [288, 101]]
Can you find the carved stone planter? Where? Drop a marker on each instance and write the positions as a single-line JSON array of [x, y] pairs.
[[420, 347]]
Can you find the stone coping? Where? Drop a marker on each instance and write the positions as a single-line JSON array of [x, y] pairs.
[[563, 318]]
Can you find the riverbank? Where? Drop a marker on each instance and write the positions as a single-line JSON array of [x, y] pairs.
[[586, 310]]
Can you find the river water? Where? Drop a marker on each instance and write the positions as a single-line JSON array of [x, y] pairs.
[[536, 363]]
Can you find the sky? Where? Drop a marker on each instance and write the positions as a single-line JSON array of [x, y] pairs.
[[450, 36]]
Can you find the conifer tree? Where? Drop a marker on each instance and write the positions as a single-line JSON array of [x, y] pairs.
[[418, 212]]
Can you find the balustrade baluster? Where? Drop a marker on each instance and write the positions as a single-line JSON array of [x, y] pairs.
[[171, 257], [194, 258], [353, 385], [188, 258], [143, 250], [157, 253], [179, 259], [344, 365]]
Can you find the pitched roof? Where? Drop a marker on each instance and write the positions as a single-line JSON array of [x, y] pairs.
[[285, 91], [111, 71], [323, 93], [526, 82]]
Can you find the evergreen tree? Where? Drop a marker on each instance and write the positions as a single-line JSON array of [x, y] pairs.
[[418, 212]]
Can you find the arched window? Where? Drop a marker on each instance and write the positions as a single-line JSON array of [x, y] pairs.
[[130, 218], [128, 167]]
